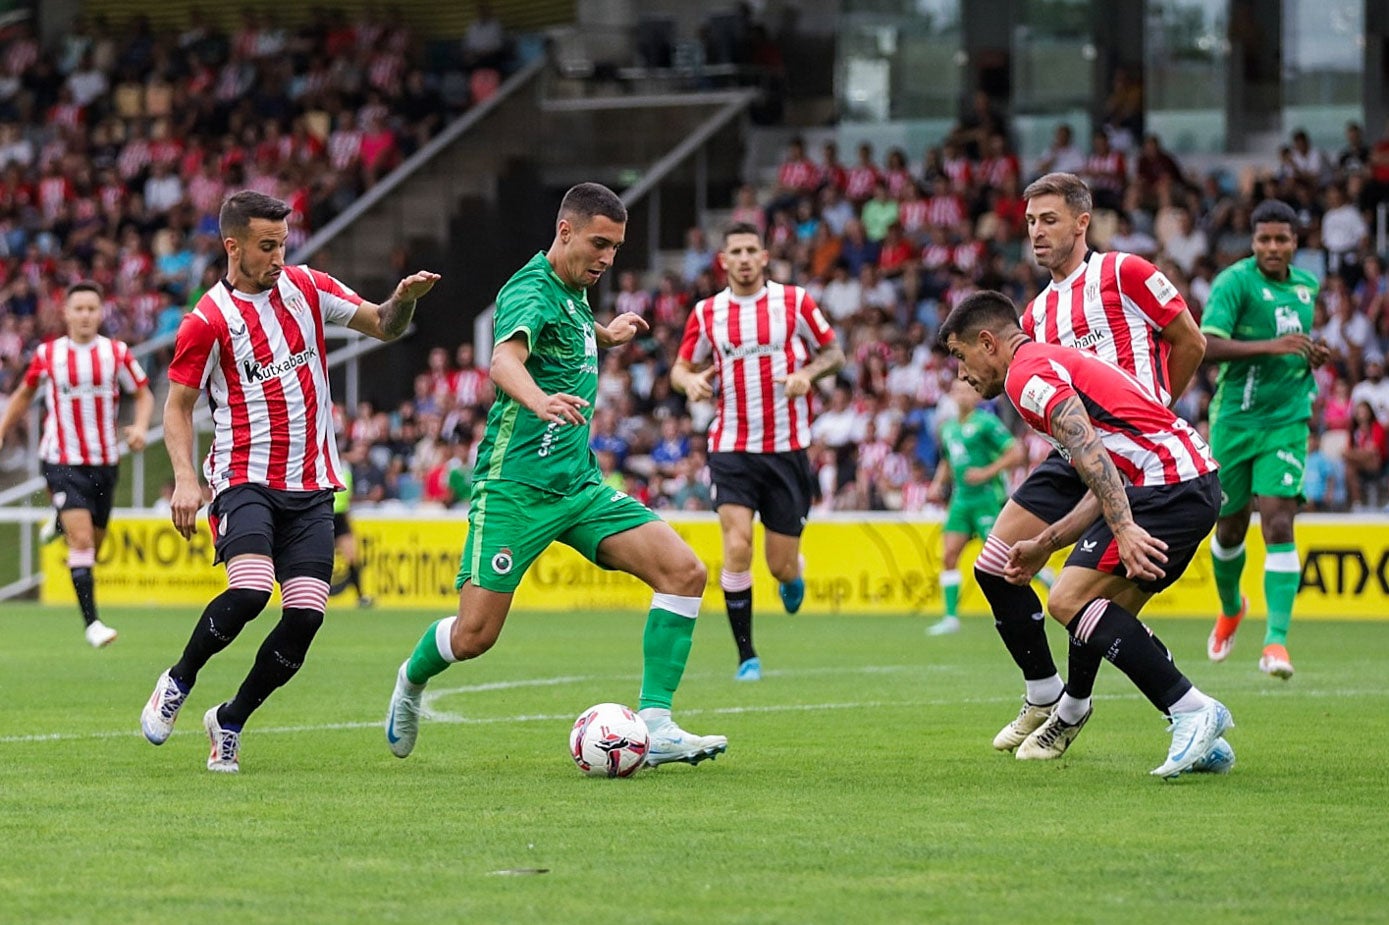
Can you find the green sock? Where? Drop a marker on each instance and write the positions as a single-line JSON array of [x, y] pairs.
[[1282, 577], [665, 647], [425, 662], [1227, 565], [950, 589]]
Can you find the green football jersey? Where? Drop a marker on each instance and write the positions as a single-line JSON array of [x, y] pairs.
[[342, 500], [976, 441], [557, 324], [1245, 304]]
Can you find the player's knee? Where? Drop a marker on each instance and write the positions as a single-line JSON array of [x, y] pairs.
[[468, 641], [1065, 600], [247, 602], [686, 577], [737, 552]]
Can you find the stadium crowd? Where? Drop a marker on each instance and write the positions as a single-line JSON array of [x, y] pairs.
[[887, 248], [117, 147]]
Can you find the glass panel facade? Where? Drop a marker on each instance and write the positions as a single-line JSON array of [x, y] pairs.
[[1053, 56], [1186, 65], [900, 60], [1323, 66]]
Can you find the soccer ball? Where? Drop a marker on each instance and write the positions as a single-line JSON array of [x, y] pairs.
[[608, 740]]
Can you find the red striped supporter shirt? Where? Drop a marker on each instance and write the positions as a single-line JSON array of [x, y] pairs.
[[754, 340], [1147, 442], [82, 384], [262, 360], [1114, 305]]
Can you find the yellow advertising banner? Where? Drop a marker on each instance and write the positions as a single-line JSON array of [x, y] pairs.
[[862, 565]]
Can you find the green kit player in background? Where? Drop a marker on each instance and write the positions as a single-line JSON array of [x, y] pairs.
[[536, 482], [1256, 325], [976, 452]]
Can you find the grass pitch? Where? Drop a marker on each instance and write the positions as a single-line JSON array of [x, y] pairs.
[[859, 785]]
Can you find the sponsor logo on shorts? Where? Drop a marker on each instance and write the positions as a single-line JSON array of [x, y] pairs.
[[60, 498], [502, 562]]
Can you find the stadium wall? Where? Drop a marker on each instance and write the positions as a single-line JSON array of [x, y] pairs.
[[860, 564]]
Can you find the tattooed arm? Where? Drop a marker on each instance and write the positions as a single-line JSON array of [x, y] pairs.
[[1141, 553], [389, 320]]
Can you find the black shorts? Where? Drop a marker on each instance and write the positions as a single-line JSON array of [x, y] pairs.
[[778, 486], [84, 488], [1180, 515], [341, 525], [1051, 490], [293, 528]]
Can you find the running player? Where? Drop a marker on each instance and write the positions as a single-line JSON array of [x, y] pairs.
[[82, 376], [254, 342], [1158, 492], [768, 343], [1257, 326], [536, 482]]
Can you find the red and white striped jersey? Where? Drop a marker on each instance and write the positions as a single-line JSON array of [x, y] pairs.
[[83, 383], [262, 360], [1147, 442], [1114, 305], [754, 341], [799, 175]]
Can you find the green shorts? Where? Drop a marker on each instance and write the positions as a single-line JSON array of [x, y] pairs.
[[973, 516], [1259, 462], [510, 524]]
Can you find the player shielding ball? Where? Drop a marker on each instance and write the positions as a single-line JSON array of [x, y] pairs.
[[1156, 484]]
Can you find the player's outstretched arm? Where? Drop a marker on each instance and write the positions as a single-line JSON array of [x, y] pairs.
[[389, 320], [178, 440], [620, 330], [18, 405], [510, 375], [1141, 553]]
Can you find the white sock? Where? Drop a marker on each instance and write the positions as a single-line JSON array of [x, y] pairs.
[[1048, 690], [1190, 702], [1072, 709]]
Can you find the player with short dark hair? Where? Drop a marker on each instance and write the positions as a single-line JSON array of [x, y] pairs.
[[768, 344], [1156, 484], [1257, 325], [83, 375], [536, 482], [255, 344]]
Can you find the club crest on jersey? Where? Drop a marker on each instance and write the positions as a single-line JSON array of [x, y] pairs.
[[569, 307], [295, 303], [1304, 295]]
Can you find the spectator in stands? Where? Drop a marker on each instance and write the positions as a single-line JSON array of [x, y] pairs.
[[1365, 457], [1062, 156], [1324, 478]]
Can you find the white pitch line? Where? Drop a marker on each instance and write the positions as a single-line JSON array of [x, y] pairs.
[[453, 719]]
